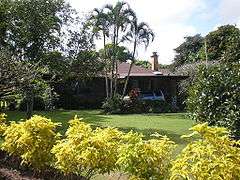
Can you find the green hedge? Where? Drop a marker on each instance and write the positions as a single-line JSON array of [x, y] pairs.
[[215, 96]]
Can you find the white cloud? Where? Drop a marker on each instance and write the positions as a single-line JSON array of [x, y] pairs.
[[167, 18], [229, 11]]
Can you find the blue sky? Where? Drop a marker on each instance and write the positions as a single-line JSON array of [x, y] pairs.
[[172, 20]]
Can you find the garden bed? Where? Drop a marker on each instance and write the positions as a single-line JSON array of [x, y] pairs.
[[11, 169]]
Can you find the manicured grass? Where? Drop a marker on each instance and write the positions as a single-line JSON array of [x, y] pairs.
[[172, 125]]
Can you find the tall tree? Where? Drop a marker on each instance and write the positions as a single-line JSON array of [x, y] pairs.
[[31, 29], [187, 52], [99, 20], [35, 26], [139, 34], [19, 77], [121, 16], [220, 40]]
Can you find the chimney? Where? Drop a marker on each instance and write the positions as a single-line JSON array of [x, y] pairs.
[[154, 61]]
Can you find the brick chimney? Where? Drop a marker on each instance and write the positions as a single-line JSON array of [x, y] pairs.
[[154, 61]]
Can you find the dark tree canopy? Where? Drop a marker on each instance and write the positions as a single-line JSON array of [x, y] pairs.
[[219, 41], [30, 28], [187, 52]]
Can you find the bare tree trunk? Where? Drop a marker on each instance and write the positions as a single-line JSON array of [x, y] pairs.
[[129, 70]]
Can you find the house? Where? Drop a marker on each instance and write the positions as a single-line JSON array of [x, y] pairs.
[[153, 79], [91, 93]]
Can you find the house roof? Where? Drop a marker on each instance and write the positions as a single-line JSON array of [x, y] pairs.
[[123, 69]]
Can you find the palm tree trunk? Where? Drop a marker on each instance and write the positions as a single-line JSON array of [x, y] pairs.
[[116, 63], [130, 69], [116, 77], [113, 63], [106, 75]]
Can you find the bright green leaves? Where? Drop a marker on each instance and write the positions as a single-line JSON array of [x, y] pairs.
[[215, 97]]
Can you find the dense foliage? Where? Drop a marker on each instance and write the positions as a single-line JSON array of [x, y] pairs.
[[215, 98], [187, 52], [213, 156], [113, 105], [117, 105], [145, 159], [220, 40], [31, 140], [3, 125], [86, 151], [212, 47]]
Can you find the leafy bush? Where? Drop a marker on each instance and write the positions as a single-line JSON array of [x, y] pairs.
[[3, 125], [145, 159], [146, 106], [215, 97], [86, 151], [38, 104], [213, 156], [113, 105], [31, 140], [158, 106]]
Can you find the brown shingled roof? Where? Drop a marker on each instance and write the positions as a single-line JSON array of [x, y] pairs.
[[140, 71]]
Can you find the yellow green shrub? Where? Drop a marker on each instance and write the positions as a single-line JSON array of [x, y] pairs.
[[86, 151], [32, 140], [145, 159], [3, 125], [214, 156]]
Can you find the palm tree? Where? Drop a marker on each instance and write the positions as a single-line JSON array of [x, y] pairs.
[[138, 34], [100, 23], [120, 17]]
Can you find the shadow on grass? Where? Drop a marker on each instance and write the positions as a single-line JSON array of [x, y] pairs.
[[62, 116], [170, 115]]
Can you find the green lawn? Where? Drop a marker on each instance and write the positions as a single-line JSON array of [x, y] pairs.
[[172, 125]]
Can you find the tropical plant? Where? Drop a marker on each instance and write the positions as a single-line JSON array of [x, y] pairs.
[[140, 33], [113, 105], [32, 140], [100, 23], [120, 18], [145, 159], [214, 155], [86, 151]]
